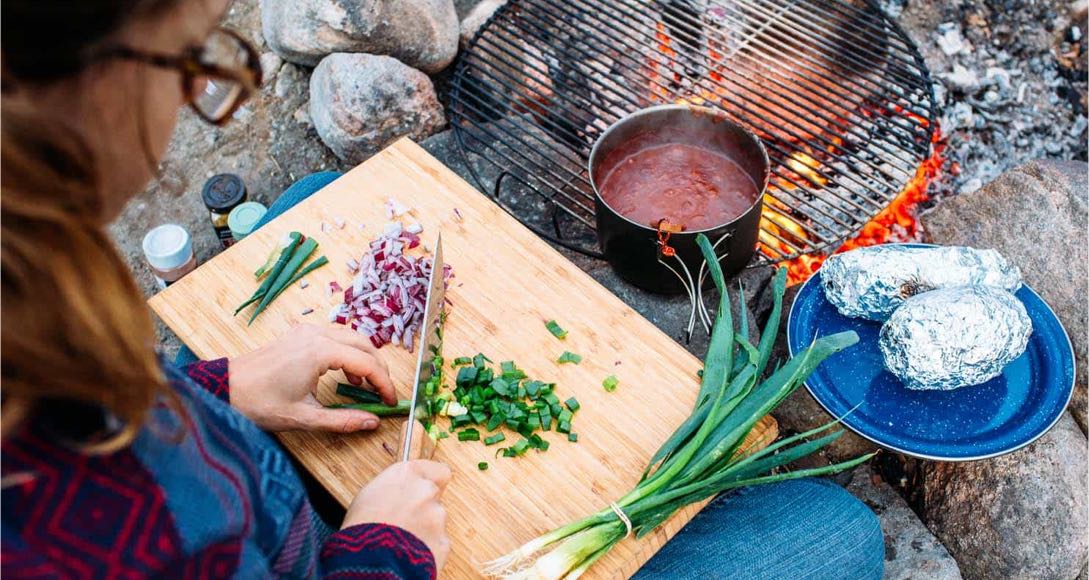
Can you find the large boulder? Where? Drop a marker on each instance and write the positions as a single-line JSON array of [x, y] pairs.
[[359, 103], [1022, 515], [911, 551], [1035, 215], [420, 33]]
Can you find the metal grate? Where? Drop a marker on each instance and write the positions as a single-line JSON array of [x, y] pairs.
[[840, 96]]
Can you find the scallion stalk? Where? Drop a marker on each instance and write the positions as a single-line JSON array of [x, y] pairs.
[[705, 455]]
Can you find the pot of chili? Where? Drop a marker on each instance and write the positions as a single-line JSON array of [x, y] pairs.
[[664, 174]]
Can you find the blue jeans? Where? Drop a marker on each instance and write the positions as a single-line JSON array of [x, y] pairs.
[[802, 529]]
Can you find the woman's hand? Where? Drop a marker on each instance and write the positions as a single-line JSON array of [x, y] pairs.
[[407, 495], [274, 385]]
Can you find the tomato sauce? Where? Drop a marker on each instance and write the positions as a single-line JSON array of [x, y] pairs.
[[683, 184]]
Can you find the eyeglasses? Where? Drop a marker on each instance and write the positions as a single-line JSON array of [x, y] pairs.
[[217, 77]]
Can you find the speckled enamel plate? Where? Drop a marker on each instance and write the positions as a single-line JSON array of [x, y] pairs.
[[997, 417]]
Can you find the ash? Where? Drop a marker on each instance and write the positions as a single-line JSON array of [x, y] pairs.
[[1010, 76]]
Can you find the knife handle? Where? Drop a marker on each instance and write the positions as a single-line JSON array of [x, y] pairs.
[[421, 446]]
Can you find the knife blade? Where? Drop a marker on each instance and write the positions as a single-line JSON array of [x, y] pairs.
[[430, 344]]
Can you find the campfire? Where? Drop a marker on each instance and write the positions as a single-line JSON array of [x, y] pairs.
[[839, 96]]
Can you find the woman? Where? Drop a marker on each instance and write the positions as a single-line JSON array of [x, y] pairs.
[[115, 464]]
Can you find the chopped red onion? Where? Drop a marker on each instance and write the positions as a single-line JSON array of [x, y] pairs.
[[307, 311], [457, 215], [303, 284], [396, 209], [324, 228], [339, 221], [414, 228], [385, 301]]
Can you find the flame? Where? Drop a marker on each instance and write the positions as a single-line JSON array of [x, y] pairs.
[[896, 223]]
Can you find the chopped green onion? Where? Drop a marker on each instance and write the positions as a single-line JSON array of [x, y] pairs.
[[468, 435], [482, 466], [572, 404], [610, 383], [466, 376], [573, 437], [520, 447], [569, 357], [563, 427], [556, 329], [462, 361], [495, 439], [460, 420]]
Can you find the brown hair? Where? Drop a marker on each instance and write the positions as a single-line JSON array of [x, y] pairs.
[[74, 324]]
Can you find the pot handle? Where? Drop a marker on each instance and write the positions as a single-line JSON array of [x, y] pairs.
[[694, 288]]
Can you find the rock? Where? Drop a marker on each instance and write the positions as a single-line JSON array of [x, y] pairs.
[[950, 41], [1022, 515], [359, 103], [1036, 215], [476, 18], [420, 33], [962, 79], [270, 65], [911, 551]]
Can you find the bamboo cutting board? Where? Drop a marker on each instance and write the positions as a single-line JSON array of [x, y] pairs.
[[508, 283]]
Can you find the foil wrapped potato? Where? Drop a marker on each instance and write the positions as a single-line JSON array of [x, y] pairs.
[[872, 282], [954, 337]]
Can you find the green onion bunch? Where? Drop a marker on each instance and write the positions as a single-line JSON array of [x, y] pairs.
[[704, 456]]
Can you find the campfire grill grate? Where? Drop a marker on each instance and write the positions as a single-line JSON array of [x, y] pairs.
[[839, 94]]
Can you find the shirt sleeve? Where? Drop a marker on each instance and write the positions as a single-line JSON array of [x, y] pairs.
[[376, 551], [212, 375]]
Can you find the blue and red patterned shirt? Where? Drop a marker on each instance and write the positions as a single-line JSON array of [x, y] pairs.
[[200, 494]]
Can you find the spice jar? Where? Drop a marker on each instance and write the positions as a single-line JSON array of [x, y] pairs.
[[169, 252], [244, 217], [221, 194]]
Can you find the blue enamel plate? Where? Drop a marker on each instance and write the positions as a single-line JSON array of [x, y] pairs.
[[997, 417]]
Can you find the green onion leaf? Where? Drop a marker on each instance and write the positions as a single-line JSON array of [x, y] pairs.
[[358, 394], [495, 439], [572, 404], [556, 329], [569, 357], [462, 361], [610, 383], [468, 435], [482, 466], [573, 437]]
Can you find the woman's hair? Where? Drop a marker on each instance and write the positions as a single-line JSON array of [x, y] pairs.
[[74, 324]]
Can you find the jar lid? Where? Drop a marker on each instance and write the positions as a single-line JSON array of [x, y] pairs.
[[167, 247], [242, 218], [223, 192]]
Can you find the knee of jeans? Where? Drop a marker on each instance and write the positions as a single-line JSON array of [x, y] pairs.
[[854, 525], [319, 179]]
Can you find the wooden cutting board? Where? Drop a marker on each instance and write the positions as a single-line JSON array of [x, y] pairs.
[[508, 283]]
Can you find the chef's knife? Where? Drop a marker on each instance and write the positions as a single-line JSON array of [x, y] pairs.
[[415, 442]]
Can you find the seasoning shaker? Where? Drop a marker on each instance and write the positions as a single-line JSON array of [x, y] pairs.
[[221, 194], [169, 252], [243, 218]]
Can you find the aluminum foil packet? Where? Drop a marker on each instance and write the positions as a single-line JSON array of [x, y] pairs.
[[954, 337], [872, 282]]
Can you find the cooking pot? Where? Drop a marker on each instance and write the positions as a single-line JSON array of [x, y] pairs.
[[661, 259]]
